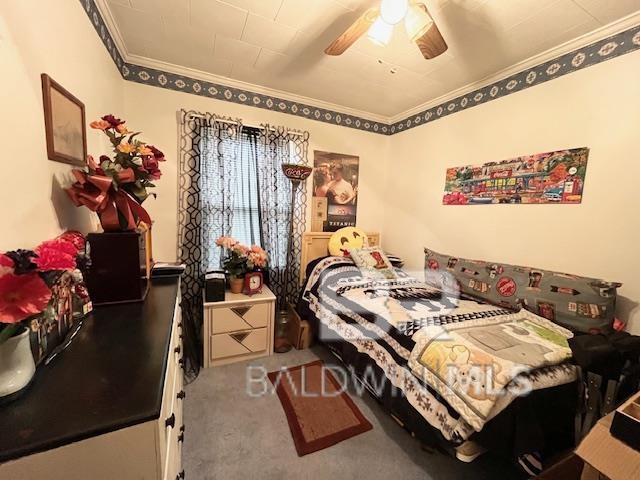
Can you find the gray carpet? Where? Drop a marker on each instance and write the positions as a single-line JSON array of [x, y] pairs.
[[231, 435]]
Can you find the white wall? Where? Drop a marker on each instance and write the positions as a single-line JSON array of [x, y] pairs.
[[154, 111], [402, 176], [52, 37], [599, 108]]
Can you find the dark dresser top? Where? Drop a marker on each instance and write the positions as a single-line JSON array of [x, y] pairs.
[[110, 377]]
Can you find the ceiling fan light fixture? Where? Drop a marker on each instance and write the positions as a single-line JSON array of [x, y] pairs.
[[417, 22], [393, 11], [380, 32]]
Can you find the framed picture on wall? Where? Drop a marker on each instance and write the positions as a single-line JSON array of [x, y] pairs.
[[64, 120]]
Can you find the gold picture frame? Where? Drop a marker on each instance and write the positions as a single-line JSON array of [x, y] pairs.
[[65, 124]]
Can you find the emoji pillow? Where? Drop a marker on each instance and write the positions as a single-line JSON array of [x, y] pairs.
[[346, 239]]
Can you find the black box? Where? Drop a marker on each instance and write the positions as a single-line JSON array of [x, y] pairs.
[[214, 286], [118, 268], [626, 423]]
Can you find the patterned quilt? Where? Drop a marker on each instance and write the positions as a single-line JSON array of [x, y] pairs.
[[394, 321]]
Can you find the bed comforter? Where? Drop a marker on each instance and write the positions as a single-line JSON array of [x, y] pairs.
[[396, 323]]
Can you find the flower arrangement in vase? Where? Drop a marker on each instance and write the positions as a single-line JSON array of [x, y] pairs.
[[40, 291], [240, 259], [115, 187]]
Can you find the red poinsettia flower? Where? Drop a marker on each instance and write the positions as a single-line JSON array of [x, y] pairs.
[[58, 254], [6, 264], [22, 296]]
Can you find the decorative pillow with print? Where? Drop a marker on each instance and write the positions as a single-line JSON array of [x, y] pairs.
[[580, 304], [373, 263]]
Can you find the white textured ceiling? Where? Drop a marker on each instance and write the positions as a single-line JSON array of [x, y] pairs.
[[279, 43]]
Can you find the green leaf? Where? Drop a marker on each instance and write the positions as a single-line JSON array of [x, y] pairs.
[[9, 331]]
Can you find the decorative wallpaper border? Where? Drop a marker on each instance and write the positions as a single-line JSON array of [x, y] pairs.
[[603, 50], [171, 81]]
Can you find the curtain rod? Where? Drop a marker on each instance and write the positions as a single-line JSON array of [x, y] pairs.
[[231, 122]]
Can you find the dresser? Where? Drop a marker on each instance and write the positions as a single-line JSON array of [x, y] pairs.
[[239, 328], [111, 405]]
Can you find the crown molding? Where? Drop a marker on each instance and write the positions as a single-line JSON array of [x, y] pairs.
[[252, 87], [219, 79], [582, 41], [610, 41]]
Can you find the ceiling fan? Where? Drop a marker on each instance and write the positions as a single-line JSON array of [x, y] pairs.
[[379, 22]]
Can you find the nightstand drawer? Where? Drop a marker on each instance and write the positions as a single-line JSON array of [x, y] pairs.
[[241, 317], [233, 344]]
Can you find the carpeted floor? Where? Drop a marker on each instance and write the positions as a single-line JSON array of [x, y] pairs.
[[232, 435]]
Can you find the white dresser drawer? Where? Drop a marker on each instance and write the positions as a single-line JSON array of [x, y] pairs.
[[175, 435], [225, 345], [241, 317], [170, 401]]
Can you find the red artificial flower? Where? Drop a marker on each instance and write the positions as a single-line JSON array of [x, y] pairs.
[[75, 238], [113, 121], [22, 296], [58, 254], [150, 165], [156, 153], [6, 264]]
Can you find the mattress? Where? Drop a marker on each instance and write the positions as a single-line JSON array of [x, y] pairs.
[[375, 338]]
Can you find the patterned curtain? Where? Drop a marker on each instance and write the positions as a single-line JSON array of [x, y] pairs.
[[277, 146], [208, 146]]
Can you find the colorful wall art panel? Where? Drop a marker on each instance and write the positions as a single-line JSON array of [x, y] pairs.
[[553, 177]]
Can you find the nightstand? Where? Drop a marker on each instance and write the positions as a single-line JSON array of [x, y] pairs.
[[239, 328]]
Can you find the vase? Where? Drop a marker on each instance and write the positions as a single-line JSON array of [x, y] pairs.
[[16, 366], [236, 284]]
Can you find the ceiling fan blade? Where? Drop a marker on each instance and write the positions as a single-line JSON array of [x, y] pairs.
[[353, 33], [431, 44]]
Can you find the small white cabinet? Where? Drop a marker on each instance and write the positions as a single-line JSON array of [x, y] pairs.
[[239, 328]]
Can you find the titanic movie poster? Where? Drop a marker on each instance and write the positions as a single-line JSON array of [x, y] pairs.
[[335, 191]]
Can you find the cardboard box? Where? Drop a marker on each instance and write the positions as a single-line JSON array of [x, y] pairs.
[[608, 455], [299, 330]]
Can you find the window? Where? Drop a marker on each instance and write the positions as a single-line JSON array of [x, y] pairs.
[[245, 223], [244, 191], [230, 189]]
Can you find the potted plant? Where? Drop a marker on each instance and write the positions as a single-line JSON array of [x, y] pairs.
[[240, 259], [115, 187], [27, 278]]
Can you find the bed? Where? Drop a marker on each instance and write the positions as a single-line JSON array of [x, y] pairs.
[[380, 331]]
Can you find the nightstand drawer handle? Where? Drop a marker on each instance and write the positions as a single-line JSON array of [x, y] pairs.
[[177, 350], [182, 395], [240, 311], [180, 475], [181, 438], [181, 363], [171, 421]]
